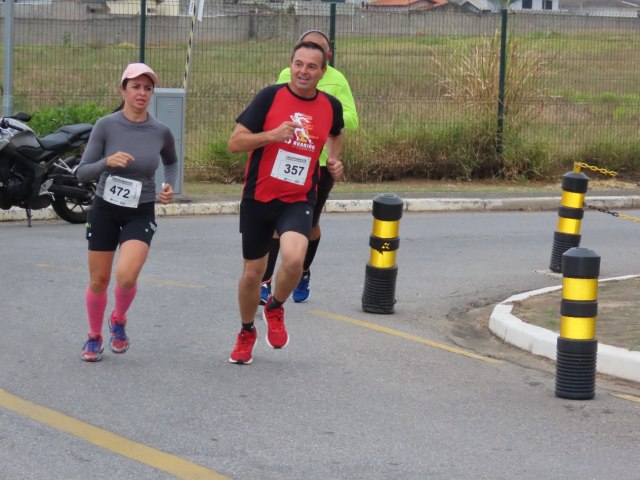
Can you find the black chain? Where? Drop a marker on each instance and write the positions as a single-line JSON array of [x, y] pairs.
[[624, 216], [603, 210]]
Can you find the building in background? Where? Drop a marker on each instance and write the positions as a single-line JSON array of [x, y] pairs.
[[474, 6]]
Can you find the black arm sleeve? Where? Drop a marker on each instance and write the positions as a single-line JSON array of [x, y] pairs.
[[255, 114], [338, 119]]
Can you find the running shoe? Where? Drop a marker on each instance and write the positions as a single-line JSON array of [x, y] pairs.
[[265, 291], [92, 349], [119, 342], [242, 353], [302, 292], [277, 336]]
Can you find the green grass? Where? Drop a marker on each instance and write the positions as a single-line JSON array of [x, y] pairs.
[[552, 322], [573, 98], [407, 186]]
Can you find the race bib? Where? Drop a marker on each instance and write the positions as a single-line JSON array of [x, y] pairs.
[[291, 167], [122, 191]]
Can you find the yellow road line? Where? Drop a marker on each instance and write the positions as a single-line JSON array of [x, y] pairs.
[[407, 336], [143, 279], [62, 268], [165, 462], [624, 396]]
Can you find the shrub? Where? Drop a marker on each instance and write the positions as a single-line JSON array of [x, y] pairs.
[[215, 163], [624, 159], [48, 120], [471, 76]]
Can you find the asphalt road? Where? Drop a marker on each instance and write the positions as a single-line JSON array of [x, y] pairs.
[[353, 396]]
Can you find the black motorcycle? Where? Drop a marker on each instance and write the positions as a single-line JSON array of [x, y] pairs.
[[36, 172]]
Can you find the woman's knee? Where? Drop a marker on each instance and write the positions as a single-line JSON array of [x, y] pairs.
[[98, 283], [128, 282]]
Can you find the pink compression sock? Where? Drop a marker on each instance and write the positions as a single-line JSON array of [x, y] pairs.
[[124, 298], [96, 305]]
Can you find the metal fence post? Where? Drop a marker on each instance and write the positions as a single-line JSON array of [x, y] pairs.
[[7, 86]]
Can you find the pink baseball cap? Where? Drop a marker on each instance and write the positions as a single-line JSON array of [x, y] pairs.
[[134, 70]]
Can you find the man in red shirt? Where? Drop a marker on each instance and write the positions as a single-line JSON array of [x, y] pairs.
[[284, 130]]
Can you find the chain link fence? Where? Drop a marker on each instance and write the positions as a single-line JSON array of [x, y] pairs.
[[425, 82]]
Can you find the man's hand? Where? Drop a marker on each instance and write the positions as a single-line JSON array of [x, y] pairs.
[[284, 132], [335, 168], [244, 140]]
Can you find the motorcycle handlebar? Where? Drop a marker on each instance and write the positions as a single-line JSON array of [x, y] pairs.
[[5, 122], [13, 124], [22, 116]]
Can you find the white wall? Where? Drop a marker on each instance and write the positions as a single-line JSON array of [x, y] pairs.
[[535, 5]]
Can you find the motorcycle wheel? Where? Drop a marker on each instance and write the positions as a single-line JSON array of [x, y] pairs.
[[72, 209]]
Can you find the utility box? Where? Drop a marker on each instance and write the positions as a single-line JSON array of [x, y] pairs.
[[169, 106]]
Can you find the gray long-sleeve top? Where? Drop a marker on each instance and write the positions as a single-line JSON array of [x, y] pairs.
[[147, 142]]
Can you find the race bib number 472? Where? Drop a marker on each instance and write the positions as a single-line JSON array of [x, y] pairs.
[[122, 191], [291, 167]]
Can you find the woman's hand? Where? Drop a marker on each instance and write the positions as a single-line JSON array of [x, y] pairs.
[[119, 160], [166, 195]]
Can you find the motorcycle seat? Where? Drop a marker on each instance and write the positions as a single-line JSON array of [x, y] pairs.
[[65, 136]]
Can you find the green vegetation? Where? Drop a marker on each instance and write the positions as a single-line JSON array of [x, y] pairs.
[[427, 104], [48, 119], [552, 322]]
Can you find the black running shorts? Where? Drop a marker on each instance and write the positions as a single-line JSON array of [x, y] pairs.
[[110, 225], [258, 221], [325, 184]]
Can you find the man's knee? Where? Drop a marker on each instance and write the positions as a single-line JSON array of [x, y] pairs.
[[293, 247], [315, 232], [292, 263], [252, 272]]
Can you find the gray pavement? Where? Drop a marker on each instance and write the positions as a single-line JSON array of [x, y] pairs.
[[354, 396], [612, 360]]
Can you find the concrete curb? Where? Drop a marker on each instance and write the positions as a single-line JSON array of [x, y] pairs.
[[614, 361], [364, 206]]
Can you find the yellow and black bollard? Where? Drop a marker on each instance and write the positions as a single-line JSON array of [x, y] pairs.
[[570, 213], [577, 345], [382, 271]]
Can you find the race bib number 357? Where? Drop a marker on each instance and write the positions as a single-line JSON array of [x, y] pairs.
[[291, 167], [122, 191]]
